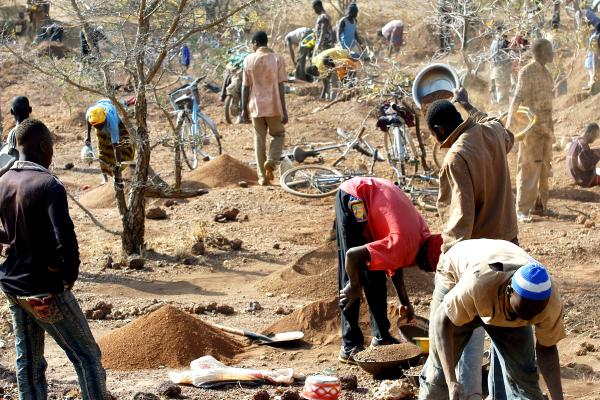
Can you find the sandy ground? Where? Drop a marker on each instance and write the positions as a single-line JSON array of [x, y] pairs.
[[281, 228]]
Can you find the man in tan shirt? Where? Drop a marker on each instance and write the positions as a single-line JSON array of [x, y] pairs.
[[497, 285], [475, 198], [535, 90], [263, 96]]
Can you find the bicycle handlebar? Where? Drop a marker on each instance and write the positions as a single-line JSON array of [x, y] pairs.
[[188, 85]]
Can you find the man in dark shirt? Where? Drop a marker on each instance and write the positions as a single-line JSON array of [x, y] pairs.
[[41, 267], [582, 160]]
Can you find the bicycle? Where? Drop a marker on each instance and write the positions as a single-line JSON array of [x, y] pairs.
[[394, 121], [197, 133]]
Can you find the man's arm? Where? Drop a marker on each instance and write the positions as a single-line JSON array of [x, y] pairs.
[[444, 341], [3, 238], [284, 117], [88, 138], [290, 47], [456, 201], [245, 99], [64, 232], [356, 258], [340, 29], [549, 365], [405, 305]]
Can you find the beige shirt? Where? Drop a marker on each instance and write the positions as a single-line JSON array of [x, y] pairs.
[[534, 89], [478, 289], [264, 70], [475, 198]]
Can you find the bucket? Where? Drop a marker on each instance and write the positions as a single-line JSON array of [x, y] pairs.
[[434, 78], [322, 387]]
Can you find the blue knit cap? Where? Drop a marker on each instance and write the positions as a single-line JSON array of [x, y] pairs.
[[532, 281]]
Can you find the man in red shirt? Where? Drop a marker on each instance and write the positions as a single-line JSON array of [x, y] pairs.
[[378, 231], [582, 160]]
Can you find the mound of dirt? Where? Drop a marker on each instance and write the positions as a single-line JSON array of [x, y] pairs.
[[314, 276], [166, 337], [100, 197], [52, 49], [320, 321], [223, 171], [421, 41]]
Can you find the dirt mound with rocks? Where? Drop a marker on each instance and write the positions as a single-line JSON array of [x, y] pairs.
[[320, 321], [314, 276], [223, 171], [166, 337], [52, 49], [100, 197]]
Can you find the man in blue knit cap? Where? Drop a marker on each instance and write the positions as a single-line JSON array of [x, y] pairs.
[[497, 285]]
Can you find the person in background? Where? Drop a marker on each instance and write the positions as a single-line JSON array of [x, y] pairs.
[[534, 163], [329, 62], [114, 143], [393, 34], [41, 268], [263, 98], [592, 59], [374, 239], [324, 35], [305, 50], [496, 285], [347, 30], [501, 69], [469, 207], [96, 35], [20, 110], [582, 160], [294, 38]]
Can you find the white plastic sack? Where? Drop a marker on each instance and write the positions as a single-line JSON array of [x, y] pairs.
[[207, 370]]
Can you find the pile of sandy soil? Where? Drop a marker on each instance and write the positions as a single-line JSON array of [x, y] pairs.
[[314, 276], [167, 337], [100, 197], [52, 50], [223, 171], [320, 321]]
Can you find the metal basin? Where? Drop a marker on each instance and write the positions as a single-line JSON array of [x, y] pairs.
[[433, 78]]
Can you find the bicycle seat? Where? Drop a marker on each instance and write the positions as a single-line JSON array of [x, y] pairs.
[[300, 154]]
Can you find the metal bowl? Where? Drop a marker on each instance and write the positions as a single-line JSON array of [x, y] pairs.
[[378, 368], [433, 78]]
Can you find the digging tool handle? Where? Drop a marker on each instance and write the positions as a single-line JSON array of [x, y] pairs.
[[240, 332]]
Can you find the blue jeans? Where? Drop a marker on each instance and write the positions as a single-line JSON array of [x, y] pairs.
[[513, 374], [65, 322], [469, 365]]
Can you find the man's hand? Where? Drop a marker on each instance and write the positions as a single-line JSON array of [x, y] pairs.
[[460, 96], [284, 119], [349, 295], [87, 142], [455, 390], [407, 311]]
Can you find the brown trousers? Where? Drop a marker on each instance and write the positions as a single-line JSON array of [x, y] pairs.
[[274, 127], [534, 169]]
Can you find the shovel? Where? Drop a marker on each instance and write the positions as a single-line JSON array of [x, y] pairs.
[[262, 339]]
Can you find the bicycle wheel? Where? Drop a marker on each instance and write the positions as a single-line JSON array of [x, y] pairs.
[[187, 142], [311, 181], [393, 158], [232, 110], [209, 141]]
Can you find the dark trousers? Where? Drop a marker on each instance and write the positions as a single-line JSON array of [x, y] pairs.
[[304, 54], [349, 234]]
